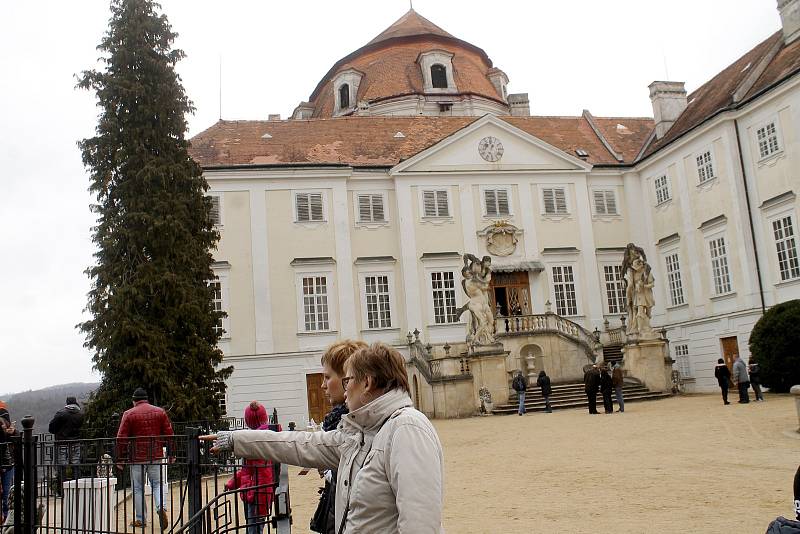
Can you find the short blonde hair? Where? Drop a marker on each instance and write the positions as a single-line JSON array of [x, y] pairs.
[[383, 363], [337, 354]]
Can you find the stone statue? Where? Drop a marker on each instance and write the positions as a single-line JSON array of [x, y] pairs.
[[477, 275], [638, 282]]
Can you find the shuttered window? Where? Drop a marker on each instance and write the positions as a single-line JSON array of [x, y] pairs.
[[214, 213], [435, 203], [308, 207], [554, 200], [496, 202], [370, 208], [605, 202]]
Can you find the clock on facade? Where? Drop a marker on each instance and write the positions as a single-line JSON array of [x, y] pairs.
[[490, 148]]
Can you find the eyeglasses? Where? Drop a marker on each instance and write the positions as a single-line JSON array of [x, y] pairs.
[[346, 380]]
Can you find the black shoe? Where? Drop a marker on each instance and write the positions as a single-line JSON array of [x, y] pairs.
[[726, 403]]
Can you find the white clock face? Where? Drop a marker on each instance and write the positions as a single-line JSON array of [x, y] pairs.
[[490, 148]]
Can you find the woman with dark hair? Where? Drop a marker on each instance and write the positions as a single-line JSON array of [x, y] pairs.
[[388, 455]]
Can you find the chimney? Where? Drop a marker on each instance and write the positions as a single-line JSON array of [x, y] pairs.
[[790, 19], [669, 101], [274, 117], [519, 104]]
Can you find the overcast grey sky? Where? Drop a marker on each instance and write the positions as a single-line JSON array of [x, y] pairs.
[[597, 55]]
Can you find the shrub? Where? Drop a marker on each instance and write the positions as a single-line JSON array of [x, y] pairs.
[[775, 345]]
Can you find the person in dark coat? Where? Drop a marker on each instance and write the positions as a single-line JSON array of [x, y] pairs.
[[544, 383], [606, 386], [520, 385], [591, 382], [65, 427], [781, 525], [755, 378], [7, 431], [723, 375], [618, 382]]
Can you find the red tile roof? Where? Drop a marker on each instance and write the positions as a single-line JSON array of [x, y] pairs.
[[412, 23], [370, 141]]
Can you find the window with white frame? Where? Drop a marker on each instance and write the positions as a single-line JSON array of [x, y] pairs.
[[215, 213], [378, 307], [682, 359], [767, 137], [435, 203], [217, 306], [615, 291], [662, 189], [315, 303], [496, 202], [554, 200], [605, 202], [370, 208], [719, 266], [308, 207], [705, 167], [443, 285], [674, 279], [564, 289], [786, 245]]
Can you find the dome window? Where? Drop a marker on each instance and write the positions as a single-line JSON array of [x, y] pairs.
[[344, 96], [439, 76]]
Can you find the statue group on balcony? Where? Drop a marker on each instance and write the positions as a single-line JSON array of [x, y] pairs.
[[638, 282], [477, 276]]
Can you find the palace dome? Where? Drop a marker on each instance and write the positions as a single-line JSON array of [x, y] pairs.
[[414, 67]]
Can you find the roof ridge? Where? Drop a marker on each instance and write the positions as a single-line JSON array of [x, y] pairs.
[[589, 119]]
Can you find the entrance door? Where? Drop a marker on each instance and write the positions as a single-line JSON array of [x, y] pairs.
[[317, 405], [730, 350], [510, 293]]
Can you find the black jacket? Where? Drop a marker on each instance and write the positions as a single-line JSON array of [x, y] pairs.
[[66, 424], [520, 383], [591, 380], [784, 526], [754, 371], [723, 374], [544, 382], [606, 384]]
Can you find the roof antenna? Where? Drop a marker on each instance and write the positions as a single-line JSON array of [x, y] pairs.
[[411, 5], [666, 69]]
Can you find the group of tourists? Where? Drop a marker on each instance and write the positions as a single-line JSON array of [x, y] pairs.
[[600, 378], [520, 385], [743, 377]]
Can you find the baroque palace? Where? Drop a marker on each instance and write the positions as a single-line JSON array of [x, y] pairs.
[[350, 219]]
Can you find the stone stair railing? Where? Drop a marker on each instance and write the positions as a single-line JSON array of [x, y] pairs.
[[547, 323], [436, 369]]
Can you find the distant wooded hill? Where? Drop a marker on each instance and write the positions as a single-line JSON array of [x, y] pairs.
[[42, 404]]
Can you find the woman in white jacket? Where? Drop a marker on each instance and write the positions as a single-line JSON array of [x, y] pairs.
[[388, 455]]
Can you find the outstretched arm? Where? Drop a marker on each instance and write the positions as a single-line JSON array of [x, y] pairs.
[[305, 449]]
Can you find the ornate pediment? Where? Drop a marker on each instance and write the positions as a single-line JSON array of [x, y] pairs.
[[501, 238]]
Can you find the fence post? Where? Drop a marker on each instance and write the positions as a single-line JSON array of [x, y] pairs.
[[19, 473], [193, 479], [29, 476]]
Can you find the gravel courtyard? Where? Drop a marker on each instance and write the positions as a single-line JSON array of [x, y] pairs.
[[685, 464]]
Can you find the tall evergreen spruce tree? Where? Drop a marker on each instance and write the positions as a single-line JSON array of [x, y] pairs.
[[152, 325]]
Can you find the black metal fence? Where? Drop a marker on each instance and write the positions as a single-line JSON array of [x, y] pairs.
[[138, 485]]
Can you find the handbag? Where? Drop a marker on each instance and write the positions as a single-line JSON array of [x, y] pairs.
[[319, 521]]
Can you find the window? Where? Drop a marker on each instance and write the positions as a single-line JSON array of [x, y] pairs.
[[554, 200], [216, 306], [439, 76], [376, 291], [344, 96], [615, 291], [370, 208], [674, 279], [662, 189], [315, 303], [705, 167], [682, 359], [308, 207], [786, 248], [435, 203], [564, 286], [605, 202], [496, 202], [219, 393], [443, 285], [767, 137], [719, 266], [215, 213]]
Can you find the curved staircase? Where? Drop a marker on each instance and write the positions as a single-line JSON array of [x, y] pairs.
[[573, 396]]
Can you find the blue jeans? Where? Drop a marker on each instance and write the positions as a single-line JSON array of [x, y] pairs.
[[521, 402], [251, 514], [620, 401], [8, 480], [137, 480], [547, 407]]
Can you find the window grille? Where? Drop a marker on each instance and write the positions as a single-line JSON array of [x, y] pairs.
[[705, 167], [315, 303], [719, 266], [767, 137], [662, 189], [444, 297], [216, 305], [674, 279], [614, 288], [564, 286], [786, 246], [379, 314], [682, 359]]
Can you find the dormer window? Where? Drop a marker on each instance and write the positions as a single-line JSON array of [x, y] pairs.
[[439, 76], [344, 96]]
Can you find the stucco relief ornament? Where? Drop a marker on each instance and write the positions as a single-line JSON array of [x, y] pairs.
[[501, 238], [638, 282], [477, 277]]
